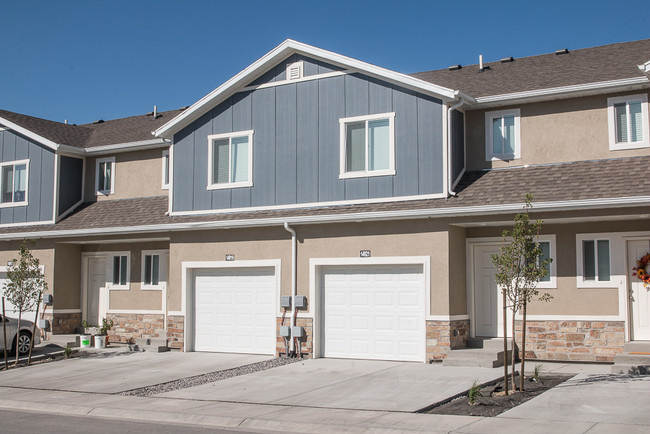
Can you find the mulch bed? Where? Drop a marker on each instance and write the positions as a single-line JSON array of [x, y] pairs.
[[492, 402]]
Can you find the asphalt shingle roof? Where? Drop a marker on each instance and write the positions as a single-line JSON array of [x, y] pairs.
[[600, 179], [587, 65]]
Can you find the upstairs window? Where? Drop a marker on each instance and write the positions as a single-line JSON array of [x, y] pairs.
[[165, 169], [105, 180], [13, 182], [628, 122], [230, 160], [367, 146], [502, 135], [121, 271]]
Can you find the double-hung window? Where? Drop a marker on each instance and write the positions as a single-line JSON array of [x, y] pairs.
[[628, 122], [14, 176], [105, 179], [547, 245], [230, 160], [120, 271], [367, 145], [502, 135], [594, 261], [154, 269]]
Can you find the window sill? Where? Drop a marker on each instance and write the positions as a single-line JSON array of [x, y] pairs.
[[589, 284], [126, 287], [104, 193], [12, 204], [626, 146], [367, 174], [503, 157], [230, 185], [152, 287]]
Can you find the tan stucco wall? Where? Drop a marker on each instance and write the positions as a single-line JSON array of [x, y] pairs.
[[42, 250], [67, 277], [137, 174], [457, 271], [134, 298], [551, 132], [405, 238]]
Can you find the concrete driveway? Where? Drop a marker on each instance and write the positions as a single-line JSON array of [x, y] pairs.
[[344, 384]]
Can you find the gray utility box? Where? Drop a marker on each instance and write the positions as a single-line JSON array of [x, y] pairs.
[[301, 302], [285, 331], [43, 324], [285, 301], [47, 298], [298, 332]]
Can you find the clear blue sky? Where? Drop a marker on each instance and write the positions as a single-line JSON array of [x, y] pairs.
[[88, 60]]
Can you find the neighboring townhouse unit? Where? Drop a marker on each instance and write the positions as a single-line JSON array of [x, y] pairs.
[[373, 198]]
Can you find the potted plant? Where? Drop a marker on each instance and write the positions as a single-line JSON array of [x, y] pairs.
[[101, 340], [85, 338]]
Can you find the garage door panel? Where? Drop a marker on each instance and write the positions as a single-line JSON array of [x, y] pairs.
[[373, 312], [235, 310]]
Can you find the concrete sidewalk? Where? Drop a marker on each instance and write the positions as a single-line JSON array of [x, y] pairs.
[[319, 396]]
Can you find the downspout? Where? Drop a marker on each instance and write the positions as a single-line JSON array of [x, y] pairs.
[[293, 281], [450, 192]]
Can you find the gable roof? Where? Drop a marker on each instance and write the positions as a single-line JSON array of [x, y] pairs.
[[615, 65], [88, 137], [281, 52]]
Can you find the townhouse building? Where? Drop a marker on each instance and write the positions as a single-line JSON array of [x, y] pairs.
[[373, 199]]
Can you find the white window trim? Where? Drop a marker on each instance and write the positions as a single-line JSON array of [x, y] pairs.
[[163, 267], [611, 122], [109, 267], [581, 282], [97, 163], [489, 116], [343, 174], [552, 283], [249, 182], [26, 201], [166, 168]]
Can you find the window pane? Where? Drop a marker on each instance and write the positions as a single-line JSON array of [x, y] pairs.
[[155, 272], [621, 122], [101, 171], [546, 253], [7, 183], [379, 144], [239, 159], [122, 270], [355, 146], [147, 269], [166, 169], [589, 260], [636, 121], [509, 135], [220, 161], [116, 270], [20, 182], [497, 136], [603, 260]]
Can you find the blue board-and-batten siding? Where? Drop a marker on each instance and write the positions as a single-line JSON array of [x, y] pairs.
[[296, 145], [310, 67], [40, 188]]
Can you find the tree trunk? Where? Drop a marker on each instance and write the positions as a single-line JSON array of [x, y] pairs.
[[523, 345], [513, 356], [505, 343], [31, 345], [20, 314], [4, 330]]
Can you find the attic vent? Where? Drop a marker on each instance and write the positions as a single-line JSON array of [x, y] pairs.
[[562, 51], [507, 59], [294, 70], [455, 67]]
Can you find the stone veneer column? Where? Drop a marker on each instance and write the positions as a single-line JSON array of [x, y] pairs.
[[443, 336], [306, 343], [175, 332]]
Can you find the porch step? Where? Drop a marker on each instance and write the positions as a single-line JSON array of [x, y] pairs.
[[493, 344], [476, 357], [635, 359], [154, 345]]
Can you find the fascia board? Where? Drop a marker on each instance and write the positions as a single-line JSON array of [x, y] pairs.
[[27, 133], [483, 210], [575, 90], [285, 49], [131, 146]]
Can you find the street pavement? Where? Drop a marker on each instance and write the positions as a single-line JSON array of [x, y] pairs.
[[321, 395]]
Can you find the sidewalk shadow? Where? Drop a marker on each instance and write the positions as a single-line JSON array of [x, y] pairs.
[[607, 378]]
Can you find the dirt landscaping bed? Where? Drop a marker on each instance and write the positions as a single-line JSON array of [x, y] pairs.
[[491, 401]]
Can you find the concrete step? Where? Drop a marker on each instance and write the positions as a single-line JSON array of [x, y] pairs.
[[632, 359], [630, 369], [495, 344], [478, 357], [155, 348], [155, 345], [637, 347]]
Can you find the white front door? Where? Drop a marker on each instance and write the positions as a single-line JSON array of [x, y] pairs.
[[235, 310], [373, 312], [639, 295], [488, 299], [95, 287]]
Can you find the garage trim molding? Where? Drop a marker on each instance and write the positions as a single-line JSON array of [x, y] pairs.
[[188, 268], [315, 271]]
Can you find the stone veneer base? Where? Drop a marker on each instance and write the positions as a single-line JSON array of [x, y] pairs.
[[64, 323], [175, 332], [129, 327], [443, 336]]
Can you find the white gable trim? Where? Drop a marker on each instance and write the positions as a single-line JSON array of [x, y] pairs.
[[27, 133], [280, 52]]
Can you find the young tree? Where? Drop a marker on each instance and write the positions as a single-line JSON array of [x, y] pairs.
[[25, 283], [519, 270]]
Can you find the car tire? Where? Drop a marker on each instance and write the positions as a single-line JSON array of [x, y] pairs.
[[22, 343]]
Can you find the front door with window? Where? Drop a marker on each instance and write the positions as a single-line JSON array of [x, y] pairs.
[[488, 299], [639, 295], [95, 289]]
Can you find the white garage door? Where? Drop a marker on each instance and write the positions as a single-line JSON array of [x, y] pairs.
[[374, 312], [235, 310]]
